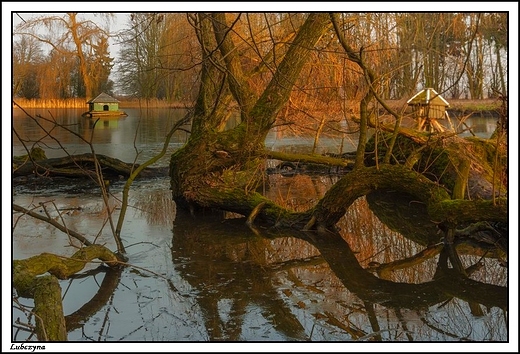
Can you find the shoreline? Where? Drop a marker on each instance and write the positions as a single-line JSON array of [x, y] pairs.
[[462, 105], [82, 103]]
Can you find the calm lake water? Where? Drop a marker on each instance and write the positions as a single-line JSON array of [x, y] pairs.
[[215, 279]]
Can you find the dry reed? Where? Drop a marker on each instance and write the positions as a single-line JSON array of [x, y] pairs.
[[82, 103], [51, 103]]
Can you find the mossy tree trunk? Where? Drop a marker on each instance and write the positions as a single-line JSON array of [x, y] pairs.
[[222, 168]]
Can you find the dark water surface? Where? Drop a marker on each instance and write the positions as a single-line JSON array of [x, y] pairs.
[[215, 279]]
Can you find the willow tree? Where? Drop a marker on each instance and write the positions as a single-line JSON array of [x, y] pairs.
[[71, 36], [222, 168]]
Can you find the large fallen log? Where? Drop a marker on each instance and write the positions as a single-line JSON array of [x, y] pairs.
[[80, 166]]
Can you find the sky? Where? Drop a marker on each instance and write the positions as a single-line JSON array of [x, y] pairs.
[[7, 22]]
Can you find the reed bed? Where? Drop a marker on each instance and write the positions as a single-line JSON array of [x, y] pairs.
[[51, 103], [82, 103], [478, 105]]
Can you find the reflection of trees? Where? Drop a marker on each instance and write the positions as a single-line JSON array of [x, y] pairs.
[[228, 264], [447, 282], [220, 269], [157, 207], [410, 218]]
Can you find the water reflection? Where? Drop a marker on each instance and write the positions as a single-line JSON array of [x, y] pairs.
[[309, 287], [138, 136], [478, 124], [214, 279]]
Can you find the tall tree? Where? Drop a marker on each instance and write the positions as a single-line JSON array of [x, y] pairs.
[[140, 55], [218, 168], [494, 30], [72, 36], [27, 57]]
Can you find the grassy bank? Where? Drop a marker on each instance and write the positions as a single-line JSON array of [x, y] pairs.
[[459, 105], [475, 105]]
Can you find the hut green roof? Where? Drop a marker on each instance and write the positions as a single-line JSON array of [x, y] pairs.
[[103, 98]]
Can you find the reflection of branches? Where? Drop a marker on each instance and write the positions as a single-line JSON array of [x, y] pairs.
[[105, 291], [384, 270], [295, 263], [351, 329], [435, 328], [376, 334], [140, 168], [138, 328], [246, 283], [335, 251], [22, 326], [374, 323], [400, 316], [370, 288]]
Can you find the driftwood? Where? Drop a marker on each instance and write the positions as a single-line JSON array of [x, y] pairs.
[[80, 166]]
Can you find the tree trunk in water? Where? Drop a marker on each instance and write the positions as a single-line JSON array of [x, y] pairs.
[[78, 166], [222, 169], [48, 308]]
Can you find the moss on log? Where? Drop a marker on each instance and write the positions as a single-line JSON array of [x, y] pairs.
[[455, 163], [48, 308], [36, 154], [26, 270], [46, 291], [72, 166], [362, 181], [460, 211]]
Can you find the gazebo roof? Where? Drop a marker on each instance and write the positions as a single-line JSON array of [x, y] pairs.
[[426, 97], [103, 98]]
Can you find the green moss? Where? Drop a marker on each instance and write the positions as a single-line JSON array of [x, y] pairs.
[[49, 308], [441, 159], [36, 153]]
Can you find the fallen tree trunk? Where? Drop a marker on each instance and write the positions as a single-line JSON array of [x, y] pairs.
[[46, 291], [469, 168], [81, 166]]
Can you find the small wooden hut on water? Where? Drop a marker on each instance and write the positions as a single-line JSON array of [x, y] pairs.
[[103, 105], [428, 108]]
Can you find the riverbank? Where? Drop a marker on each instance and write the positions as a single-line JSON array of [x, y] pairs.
[[462, 106]]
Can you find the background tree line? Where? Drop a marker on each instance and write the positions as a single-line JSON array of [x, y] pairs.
[[462, 55]]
